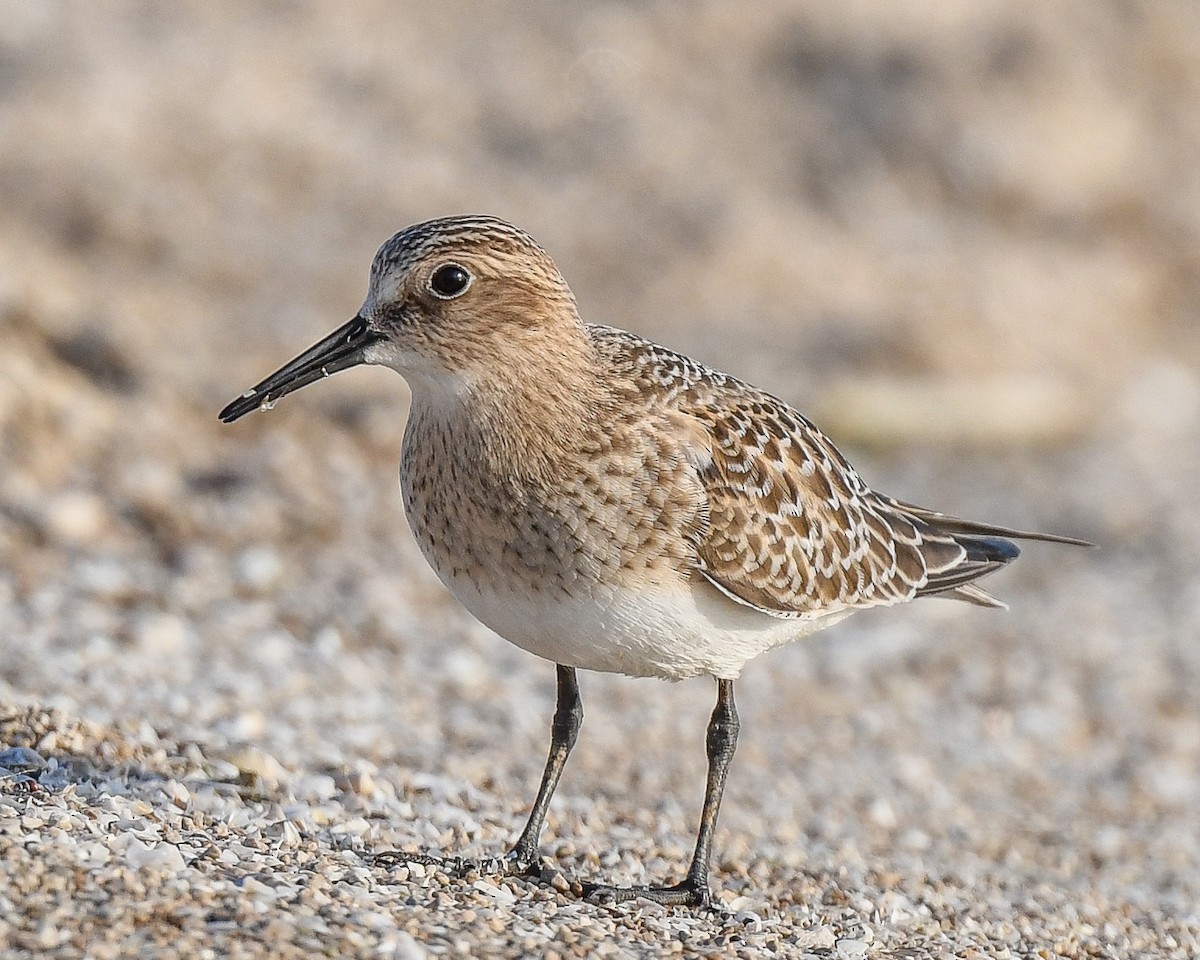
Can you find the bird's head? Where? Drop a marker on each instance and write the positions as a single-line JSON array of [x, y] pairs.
[[451, 302]]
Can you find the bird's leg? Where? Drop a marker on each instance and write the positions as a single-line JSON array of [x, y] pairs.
[[693, 891], [568, 716]]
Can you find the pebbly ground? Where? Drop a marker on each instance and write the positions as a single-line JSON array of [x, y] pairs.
[[962, 239]]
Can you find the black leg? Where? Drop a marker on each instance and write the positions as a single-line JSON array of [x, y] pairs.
[[693, 891], [568, 716]]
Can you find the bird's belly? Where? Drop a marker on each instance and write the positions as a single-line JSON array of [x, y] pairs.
[[686, 630]]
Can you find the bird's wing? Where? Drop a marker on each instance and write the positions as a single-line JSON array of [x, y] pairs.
[[788, 526], [792, 528]]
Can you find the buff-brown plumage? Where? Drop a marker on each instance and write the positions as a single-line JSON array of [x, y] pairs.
[[550, 458], [608, 504]]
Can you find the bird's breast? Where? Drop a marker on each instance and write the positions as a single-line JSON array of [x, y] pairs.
[[611, 516]]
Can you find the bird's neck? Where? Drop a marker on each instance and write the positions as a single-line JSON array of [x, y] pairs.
[[517, 417]]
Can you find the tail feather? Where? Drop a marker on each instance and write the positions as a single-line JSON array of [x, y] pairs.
[[973, 559], [975, 594], [982, 549]]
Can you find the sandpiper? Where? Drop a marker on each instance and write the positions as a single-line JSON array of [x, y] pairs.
[[608, 504]]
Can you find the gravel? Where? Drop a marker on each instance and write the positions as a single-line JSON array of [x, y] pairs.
[[963, 238]]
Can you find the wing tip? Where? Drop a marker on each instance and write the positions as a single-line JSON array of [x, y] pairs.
[[988, 549]]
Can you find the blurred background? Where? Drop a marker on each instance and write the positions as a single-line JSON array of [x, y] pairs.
[[964, 238]]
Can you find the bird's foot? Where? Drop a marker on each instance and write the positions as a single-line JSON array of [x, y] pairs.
[[688, 893], [510, 865]]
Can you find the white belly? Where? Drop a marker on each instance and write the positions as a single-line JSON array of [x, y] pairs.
[[682, 632]]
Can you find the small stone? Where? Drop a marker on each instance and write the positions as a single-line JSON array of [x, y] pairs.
[[259, 568], [257, 889], [21, 759], [496, 892], [749, 919], [76, 517], [48, 935], [179, 795], [354, 827], [361, 783], [406, 948], [247, 725], [314, 786], [848, 949], [822, 938], [560, 883], [162, 857], [286, 831], [107, 579], [254, 762], [882, 814], [161, 634]]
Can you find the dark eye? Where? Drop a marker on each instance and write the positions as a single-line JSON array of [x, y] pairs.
[[450, 280]]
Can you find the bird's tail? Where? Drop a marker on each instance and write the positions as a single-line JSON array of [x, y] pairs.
[[985, 548]]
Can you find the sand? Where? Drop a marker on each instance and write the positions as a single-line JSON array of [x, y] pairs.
[[962, 237]]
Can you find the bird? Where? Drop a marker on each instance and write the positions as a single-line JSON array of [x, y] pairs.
[[608, 504]]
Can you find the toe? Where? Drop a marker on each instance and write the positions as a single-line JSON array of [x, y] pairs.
[[685, 894]]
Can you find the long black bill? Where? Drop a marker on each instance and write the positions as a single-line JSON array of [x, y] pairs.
[[343, 348]]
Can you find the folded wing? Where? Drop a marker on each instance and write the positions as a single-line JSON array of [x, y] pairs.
[[789, 526]]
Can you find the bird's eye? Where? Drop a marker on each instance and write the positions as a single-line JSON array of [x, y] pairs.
[[450, 280]]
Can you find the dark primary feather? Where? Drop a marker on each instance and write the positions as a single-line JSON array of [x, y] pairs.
[[971, 528]]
